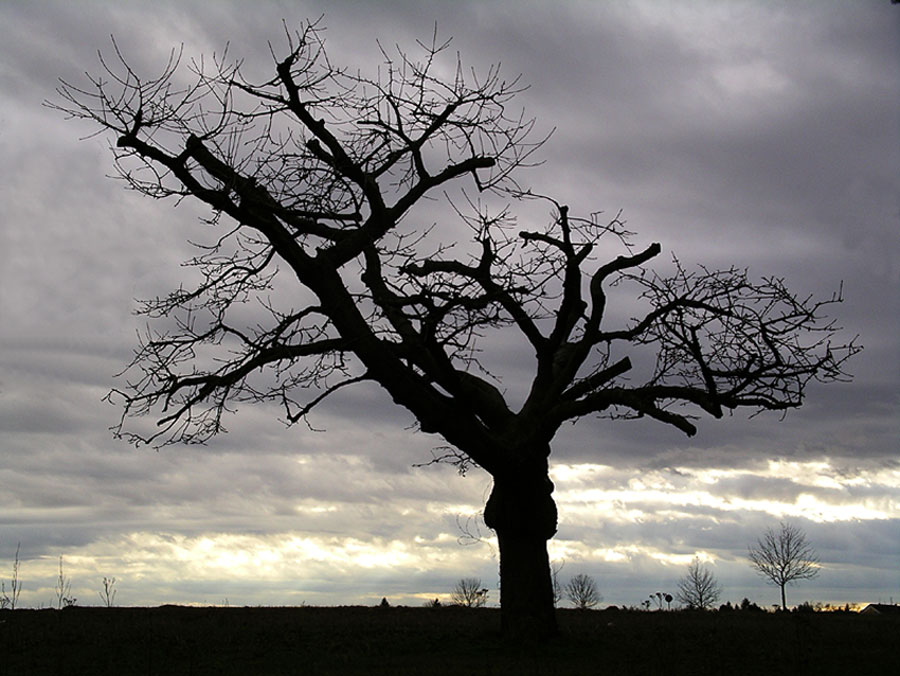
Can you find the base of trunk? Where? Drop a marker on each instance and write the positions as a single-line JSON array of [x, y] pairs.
[[526, 588], [523, 514]]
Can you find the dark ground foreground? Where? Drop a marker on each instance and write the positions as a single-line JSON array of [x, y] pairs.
[[177, 640]]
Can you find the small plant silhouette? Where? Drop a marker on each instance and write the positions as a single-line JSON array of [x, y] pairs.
[[10, 599], [108, 593], [748, 605], [555, 568], [659, 597], [64, 598]]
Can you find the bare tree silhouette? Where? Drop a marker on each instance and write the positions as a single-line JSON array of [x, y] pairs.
[[581, 590], [470, 593], [317, 181], [698, 589], [783, 557]]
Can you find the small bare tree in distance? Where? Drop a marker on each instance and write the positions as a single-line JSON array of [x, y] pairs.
[[699, 589], [582, 592], [783, 557], [469, 593]]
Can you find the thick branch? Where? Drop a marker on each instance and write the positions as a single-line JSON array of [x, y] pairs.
[[598, 296]]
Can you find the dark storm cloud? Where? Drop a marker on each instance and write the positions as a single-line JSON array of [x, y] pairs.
[[733, 133]]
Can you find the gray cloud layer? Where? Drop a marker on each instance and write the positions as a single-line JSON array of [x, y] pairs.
[[733, 133]]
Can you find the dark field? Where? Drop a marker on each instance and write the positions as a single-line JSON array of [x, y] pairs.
[[433, 641]]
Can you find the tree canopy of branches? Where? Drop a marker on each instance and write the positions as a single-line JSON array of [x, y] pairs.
[[582, 592], [317, 181], [784, 556], [698, 589]]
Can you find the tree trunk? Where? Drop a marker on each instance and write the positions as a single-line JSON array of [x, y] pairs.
[[522, 512], [783, 599]]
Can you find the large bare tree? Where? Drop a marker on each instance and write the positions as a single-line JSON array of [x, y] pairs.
[[784, 556], [318, 181]]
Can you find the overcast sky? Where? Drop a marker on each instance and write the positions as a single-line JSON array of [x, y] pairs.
[[756, 134]]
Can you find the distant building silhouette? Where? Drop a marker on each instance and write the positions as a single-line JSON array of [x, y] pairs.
[[880, 608]]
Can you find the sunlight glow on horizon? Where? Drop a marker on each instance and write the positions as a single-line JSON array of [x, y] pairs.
[[307, 563]]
